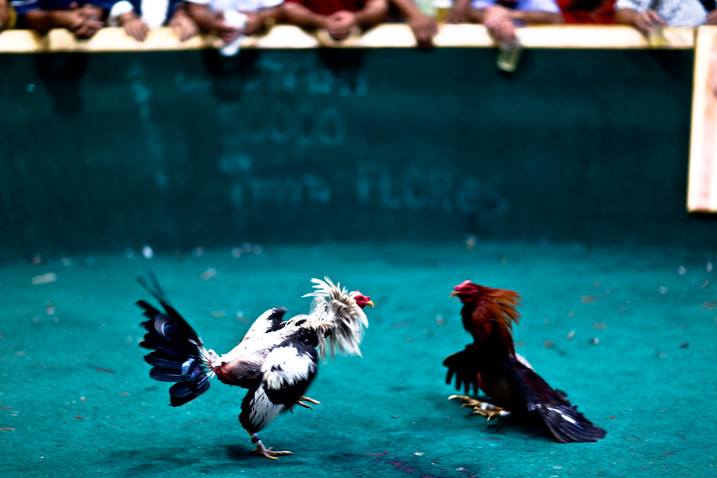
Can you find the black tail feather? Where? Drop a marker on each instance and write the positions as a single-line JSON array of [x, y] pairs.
[[569, 425], [563, 420], [181, 393], [159, 359], [152, 286], [178, 351], [149, 310], [165, 375]]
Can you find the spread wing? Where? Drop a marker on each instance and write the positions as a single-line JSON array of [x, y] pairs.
[[287, 372], [562, 419], [464, 365]]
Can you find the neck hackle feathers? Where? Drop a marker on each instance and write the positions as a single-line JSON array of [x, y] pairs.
[[489, 308], [339, 321]]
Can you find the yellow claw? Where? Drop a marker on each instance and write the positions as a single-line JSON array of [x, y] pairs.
[[269, 452], [488, 410]]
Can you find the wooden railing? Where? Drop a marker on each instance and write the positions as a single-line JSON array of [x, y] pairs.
[[382, 36]]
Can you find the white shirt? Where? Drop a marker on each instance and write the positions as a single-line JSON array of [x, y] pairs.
[[154, 12], [240, 5], [677, 13]]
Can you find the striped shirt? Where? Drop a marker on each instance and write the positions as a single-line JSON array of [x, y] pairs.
[[527, 5]]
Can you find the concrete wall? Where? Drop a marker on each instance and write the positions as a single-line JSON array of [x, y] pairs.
[[105, 151]]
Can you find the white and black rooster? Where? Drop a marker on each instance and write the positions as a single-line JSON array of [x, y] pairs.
[[276, 360]]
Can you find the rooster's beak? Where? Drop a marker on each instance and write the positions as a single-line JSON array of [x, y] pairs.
[[453, 294], [370, 302]]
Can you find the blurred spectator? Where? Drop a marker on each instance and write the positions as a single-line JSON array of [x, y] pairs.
[[338, 17], [646, 15], [138, 17], [424, 27], [501, 17], [7, 15], [588, 11], [82, 18], [711, 7], [209, 15]]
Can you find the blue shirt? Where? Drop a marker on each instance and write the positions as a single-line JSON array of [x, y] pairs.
[[24, 6]]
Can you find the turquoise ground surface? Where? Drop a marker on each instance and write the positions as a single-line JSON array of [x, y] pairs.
[[76, 398]]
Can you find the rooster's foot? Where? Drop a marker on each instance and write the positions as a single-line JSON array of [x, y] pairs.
[[261, 450], [485, 409], [307, 399]]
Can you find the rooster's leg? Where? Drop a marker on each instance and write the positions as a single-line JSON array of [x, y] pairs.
[[261, 450], [486, 409]]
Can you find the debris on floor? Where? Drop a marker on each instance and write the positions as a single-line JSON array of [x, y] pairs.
[[44, 278]]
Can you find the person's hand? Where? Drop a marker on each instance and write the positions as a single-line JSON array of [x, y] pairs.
[[645, 22], [712, 17], [90, 11], [83, 22], [503, 30], [457, 16], [254, 23], [72, 19], [339, 24], [134, 26], [500, 24], [495, 13], [424, 28], [183, 26]]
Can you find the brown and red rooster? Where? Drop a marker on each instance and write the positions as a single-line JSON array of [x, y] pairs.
[[491, 364]]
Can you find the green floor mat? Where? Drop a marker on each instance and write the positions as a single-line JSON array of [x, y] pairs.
[[76, 398]]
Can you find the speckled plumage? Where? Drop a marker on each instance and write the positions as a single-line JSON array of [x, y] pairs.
[[276, 360]]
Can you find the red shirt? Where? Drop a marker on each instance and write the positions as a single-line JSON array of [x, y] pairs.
[[329, 7], [602, 14]]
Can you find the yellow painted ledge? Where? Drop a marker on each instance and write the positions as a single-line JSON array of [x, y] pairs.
[[382, 36], [702, 185]]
